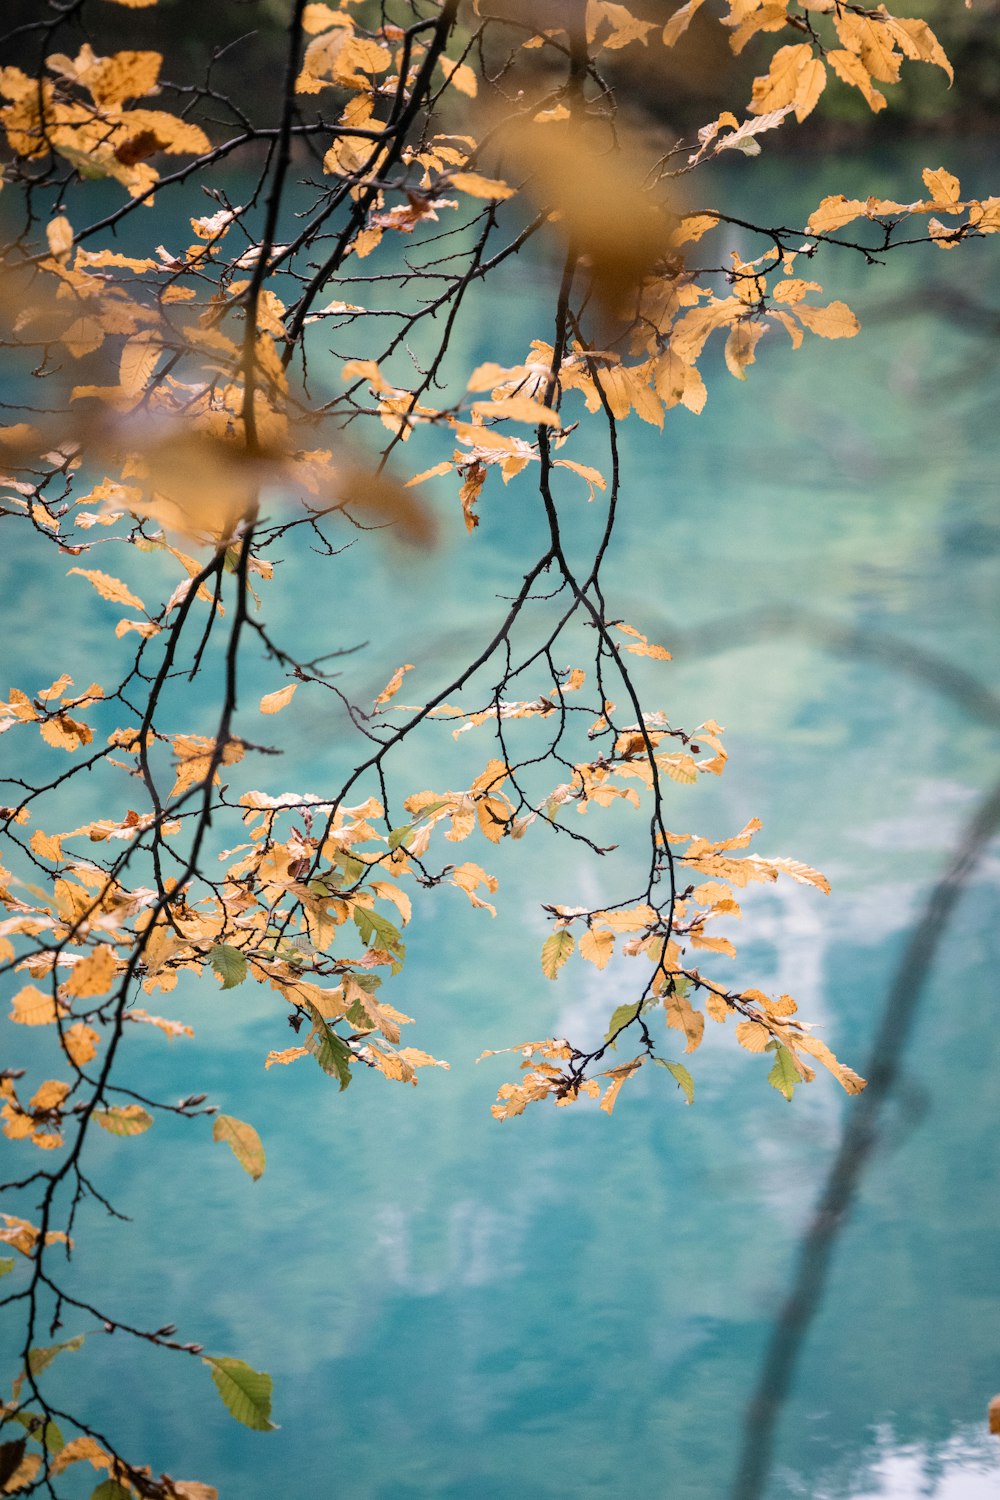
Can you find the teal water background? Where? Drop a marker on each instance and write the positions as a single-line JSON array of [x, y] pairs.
[[566, 1305]]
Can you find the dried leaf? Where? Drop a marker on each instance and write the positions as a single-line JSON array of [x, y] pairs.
[[244, 1142], [273, 703], [110, 588]]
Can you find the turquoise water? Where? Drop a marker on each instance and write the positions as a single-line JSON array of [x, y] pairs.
[[568, 1305]]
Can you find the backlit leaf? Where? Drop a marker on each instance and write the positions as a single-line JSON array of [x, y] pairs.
[[478, 186], [245, 1391], [244, 1142], [33, 1008], [555, 951], [94, 974], [597, 946], [40, 1359], [835, 321], [330, 1051], [273, 703], [126, 1119], [109, 588], [680, 1073], [110, 1489], [784, 1075], [229, 963]]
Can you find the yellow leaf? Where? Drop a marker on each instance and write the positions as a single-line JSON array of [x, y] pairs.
[[682, 1016], [170, 1029], [741, 345], [592, 476], [287, 1056], [752, 1035], [145, 628], [364, 242], [33, 1008], [29, 1466], [853, 71], [835, 321], [460, 76], [812, 82], [944, 188], [417, 1059], [944, 237], [618, 1077], [138, 361], [57, 689], [555, 951], [46, 846], [833, 213], [494, 815], [80, 1043], [632, 919], [244, 1142], [442, 468], [273, 703], [109, 588], [692, 227], [318, 17], [597, 946], [519, 409], [50, 1095], [850, 1081], [77, 1450], [390, 1065], [781, 84], [916, 40], [64, 733], [94, 974], [394, 684], [680, 21], [480, 187], [59, 233]]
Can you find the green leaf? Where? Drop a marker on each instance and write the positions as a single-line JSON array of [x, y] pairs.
[[230, 965], [784, 1075], [620, 1017], [556, 950], [246, 1392], [682, 1076], [399, 835], [359, 1018], [244, 1143], [46, 1433], [110, 1489], [86, 165], [378, 932], [6, 1265], [371, 925], [130, 1119], [351, 866], [332, 1054], [40, 1359]]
